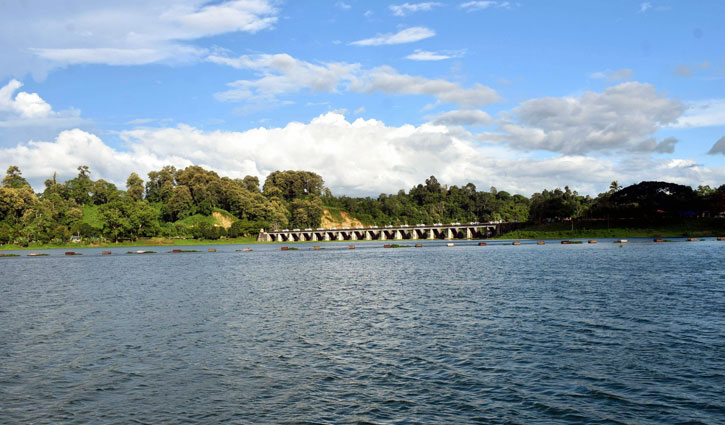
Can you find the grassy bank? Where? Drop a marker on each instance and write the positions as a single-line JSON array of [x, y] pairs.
[[140, 242], [621, 229]]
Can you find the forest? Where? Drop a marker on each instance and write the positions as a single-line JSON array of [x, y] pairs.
[[182, 203]]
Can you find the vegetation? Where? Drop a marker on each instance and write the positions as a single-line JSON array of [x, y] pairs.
[[195, 203]]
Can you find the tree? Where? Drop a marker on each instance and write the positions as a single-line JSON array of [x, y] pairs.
[[14, 178], [134, 187]]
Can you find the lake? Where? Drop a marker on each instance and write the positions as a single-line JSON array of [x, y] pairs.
[[605, 333]]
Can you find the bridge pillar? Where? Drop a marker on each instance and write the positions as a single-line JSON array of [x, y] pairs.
[[327, 236], [414, 234], [449, 233], [469, 234], [383, 236], [340, 237], [314, 237], [431, 233], [353, 236], [397, 235], [368, 235]]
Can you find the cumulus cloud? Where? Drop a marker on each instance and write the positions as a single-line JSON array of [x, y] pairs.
[[360, 157], [463, 117], [119, 32], [408, 35], [718, 147], [613, 76], [406, 8], [282, 74], [622, 118], [473, 6]]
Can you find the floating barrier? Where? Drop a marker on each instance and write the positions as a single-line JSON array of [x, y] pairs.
[[450, 244], [419, 245], [351, 247], [387, 246], [482, 244], [285, 248], [37, 254], [540, 243], [592, 241], [721, 238], [175, 251], [565, 242], [658, 240], [105, 252], [70, 253], [211, 250], [247, 249], [621, 241], [691, 239], [316, 248], [516, 243]]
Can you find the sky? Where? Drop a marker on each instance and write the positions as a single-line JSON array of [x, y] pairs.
[[374, 96]]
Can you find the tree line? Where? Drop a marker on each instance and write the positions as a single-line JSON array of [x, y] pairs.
[[178, 202]]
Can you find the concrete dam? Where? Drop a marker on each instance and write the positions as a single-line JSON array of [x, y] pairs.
[[384, 233]]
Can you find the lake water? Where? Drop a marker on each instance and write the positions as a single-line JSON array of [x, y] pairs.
[[496, 334]]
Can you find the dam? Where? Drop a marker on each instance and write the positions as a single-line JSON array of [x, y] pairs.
[[472, 230]]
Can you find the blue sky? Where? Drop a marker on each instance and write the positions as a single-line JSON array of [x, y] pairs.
[[373, 96]]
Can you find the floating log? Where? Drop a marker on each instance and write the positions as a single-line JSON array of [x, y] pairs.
[[516, 243], [691, 239], [540, 243], [285, 248], [482, 244], [419, 245], [351, 247], [316, 248], [658, 240], [70, 253], [105, 252], [592, 241], [175, 251], [387, 246], [565, 242], [721, 238], [211, 250]]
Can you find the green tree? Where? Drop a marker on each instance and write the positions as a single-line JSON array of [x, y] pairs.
[[14, 178], [134, 187]]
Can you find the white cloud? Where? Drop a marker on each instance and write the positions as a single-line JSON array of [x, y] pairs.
[[406, 8], [422, 55], [342, 5], [462, 117], [645, 7], [282, 74], [703, 113], [613, 76], [473, 6], [408, 35], [117, 32], [387, 80], [718, 147], [360, 157], [622, 118], [24, 105]]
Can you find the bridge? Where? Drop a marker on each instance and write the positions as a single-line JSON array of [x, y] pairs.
[[383, 233]]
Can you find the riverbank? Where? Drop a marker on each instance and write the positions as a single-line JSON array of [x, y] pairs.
[[140, 242], [589, 230]]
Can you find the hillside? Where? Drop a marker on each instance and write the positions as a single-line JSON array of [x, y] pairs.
[[336, 218]]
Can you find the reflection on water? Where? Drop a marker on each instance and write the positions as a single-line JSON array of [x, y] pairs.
[[496, 334]]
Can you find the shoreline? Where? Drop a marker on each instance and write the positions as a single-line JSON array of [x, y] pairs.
[[522, 236]]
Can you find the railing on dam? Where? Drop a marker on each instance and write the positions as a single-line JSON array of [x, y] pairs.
[[420, 231]]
